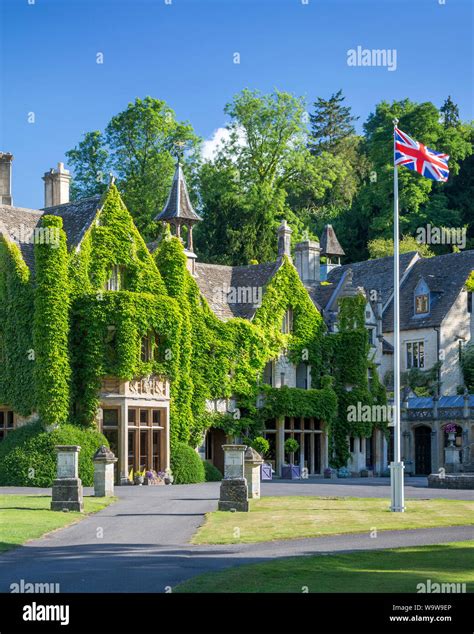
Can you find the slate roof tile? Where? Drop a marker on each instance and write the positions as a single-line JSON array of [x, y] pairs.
[[248, 282], [19, 223], [445, 275]]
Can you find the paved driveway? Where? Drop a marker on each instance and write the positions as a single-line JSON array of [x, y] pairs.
[[141, 543]]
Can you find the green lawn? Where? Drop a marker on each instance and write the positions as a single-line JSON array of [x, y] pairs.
[[25, 517], [273, 518], [395, 570]]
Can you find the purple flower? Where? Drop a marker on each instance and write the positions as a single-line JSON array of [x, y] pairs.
[[451, 428]]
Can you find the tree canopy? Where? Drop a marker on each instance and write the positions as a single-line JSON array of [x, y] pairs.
[[279, 161], [139, 146]]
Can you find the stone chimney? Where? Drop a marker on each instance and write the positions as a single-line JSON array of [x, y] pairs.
[[284, 240], [307, 261], [56, 186], [6, 178]]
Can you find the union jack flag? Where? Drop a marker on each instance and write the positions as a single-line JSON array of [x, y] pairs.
[[419, 158]]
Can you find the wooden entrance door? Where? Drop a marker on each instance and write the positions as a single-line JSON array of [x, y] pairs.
[[422, 450]]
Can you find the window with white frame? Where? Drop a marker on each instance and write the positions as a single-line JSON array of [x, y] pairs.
[[116, 278], [287, 324], [415, 354]]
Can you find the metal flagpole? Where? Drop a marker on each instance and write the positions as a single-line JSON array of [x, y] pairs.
[[397, 466]]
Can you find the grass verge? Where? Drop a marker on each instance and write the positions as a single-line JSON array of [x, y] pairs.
[[394, 570], [272, 518], [25, 517]]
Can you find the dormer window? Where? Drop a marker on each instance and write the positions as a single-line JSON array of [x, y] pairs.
[[287, 324], [116, 278], [422, 304], [422, 298]]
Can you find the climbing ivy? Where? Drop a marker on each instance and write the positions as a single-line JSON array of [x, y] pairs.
[[347, 353], [16, 336], [51, 325], [83, 333]]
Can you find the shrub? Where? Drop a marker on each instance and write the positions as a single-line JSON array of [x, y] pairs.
[[261, 445], [186, 465], [212, 473], [291, 445], [28, 456]]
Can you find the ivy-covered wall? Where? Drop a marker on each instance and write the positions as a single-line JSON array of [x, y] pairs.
[[348, 356], [81, 333], [16, 334]]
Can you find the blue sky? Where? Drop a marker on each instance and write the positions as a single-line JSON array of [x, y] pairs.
[[183, 53]]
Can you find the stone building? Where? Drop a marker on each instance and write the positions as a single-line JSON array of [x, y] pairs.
[[135, 414]]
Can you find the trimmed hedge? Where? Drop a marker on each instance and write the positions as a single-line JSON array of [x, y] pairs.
[[28, 457], [212, 473], [186, 465]]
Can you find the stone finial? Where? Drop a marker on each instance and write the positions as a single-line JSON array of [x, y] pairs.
[[252, 456], [104, 453]]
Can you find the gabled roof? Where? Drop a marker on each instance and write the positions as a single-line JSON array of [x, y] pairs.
[[178, 204], [445, 275], [329, 242], [247, 282], [19, 223], [77, 217], [370, 275]]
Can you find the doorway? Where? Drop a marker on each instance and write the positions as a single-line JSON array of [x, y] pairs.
[[422, 450]]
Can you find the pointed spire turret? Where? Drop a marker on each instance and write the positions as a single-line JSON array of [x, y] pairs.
[[330, 246], [178, 210]]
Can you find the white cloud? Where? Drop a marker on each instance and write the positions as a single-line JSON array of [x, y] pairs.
[[211, 146]]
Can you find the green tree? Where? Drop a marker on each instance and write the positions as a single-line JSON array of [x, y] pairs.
[[383, 247], [139, 145], [332, 139], [331, 124], [89, 161], [450, 113], [244, 189], [372, 212]]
